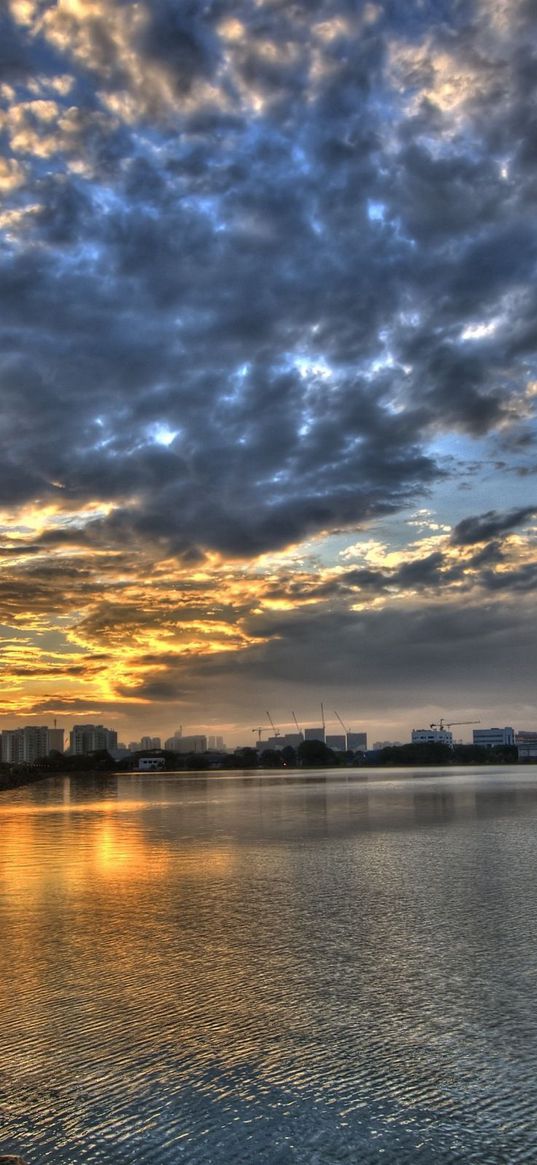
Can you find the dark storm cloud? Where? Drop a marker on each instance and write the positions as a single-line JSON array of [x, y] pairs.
[[254, 259], [385, 661], [490, 525]]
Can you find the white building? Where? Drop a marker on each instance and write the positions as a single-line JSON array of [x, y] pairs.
[[432, 736], [526, 743], [493, 737], [151, 764]]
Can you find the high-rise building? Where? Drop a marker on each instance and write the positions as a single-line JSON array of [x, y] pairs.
[[148, 742], [215, 743], [86, 738], [190, 744], [31, 743]]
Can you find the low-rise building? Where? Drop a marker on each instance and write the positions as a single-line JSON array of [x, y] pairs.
[[526, 743], [357, 741], [315, 734], [432, 736], [493, 737], [336, 741]]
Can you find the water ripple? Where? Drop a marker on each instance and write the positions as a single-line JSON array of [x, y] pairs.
[[276, 974]]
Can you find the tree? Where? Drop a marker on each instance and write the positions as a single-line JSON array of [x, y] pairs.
[[316, 754]]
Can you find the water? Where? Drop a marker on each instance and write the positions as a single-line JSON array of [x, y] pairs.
[[278, 969]]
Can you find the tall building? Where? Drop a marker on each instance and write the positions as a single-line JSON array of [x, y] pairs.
[[432, 736], [190, 744], [31, 743], [492, 737], [149, 742], [86, 738]]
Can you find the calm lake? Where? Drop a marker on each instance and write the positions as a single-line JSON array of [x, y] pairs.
[[296, 969]]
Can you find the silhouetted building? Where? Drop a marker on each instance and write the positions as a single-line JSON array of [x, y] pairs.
[[314, 734], [357, 741], [337, 741]]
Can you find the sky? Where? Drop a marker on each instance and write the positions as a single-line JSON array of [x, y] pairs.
[[268, 387]]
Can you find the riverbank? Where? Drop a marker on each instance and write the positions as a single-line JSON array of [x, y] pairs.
[[14, 780]]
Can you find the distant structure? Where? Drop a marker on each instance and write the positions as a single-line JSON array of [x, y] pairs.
[[315, 734], [432, 736], [215, 743], [526, 743], [337, 742], [190, 744], [173, 742], [272, 742], [151, 764], [31, 743], [86, 738], [150, 742], [387, 744], [144, 744], [357, 741], [493, 737]]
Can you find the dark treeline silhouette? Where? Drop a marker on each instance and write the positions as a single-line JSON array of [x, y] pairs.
[[310, 754]]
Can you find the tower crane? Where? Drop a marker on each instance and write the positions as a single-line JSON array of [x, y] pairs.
[[338, 717], [275, 730], [299, 730], [449, 723], [260, 729]]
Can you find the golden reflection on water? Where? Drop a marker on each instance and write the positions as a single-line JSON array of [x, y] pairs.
[[330, 941]]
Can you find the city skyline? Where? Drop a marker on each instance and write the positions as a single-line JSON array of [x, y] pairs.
[[268, 379]]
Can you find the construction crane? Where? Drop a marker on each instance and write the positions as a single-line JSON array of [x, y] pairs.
[[275, 730], [260, 729], [322, 718], [299, 730], [338, 717], [442, 725]]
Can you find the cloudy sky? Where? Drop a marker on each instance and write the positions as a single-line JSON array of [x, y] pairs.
[[267, 363]]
